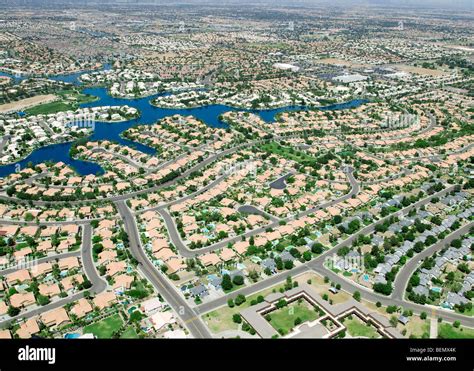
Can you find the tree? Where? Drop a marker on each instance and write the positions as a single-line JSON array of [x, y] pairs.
[[226, 283], [423, 315], [136, 316], [457, 324], [307, 256], [415, 280], [237, 318], [42, 300], [13, 311], [383, 288], [240, 299], [356, 295], [391, 309], [238, 280], [317, 248], [281, 303], [463, 267]]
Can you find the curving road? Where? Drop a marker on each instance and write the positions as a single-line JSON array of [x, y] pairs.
[[189, 253], [98, 284], [407, 270], [317, 265], [161, 283]]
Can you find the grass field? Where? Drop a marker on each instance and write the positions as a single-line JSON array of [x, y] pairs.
[[129, 333], [47, 108], [106, 327], [221, 319], [357, 328], [416, 327], [287, 152], [69, 101], [317, 282], [447, 331], [283, 320]]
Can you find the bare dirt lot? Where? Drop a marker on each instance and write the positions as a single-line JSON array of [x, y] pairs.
[[27, 103]]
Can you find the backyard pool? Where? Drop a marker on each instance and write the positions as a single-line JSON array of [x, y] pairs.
[[72, 335]]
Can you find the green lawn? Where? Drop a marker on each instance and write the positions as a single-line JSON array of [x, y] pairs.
[[467, 312], [129, 333], [47, 108], [221, 319], [447, 331], [70, 102], [356, 327], [105, 328], [283, 320], [287, 152]]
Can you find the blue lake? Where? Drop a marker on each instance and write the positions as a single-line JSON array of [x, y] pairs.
[[148, 115]]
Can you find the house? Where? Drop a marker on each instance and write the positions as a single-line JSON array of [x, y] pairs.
[[49, 290], [19, 276], [104, 299], [241, 247], [20, 300], [199, 291], [81, 308], [216, 282], [421, 290], [453, 299], [269, 264], [161, 319], [40, 269], [5, 334], [28, 328], [3, 308], [151, 305], [286, 256], [55, 317], [123, 282], [70, 282], [227, 254], [116, 267], [175, 265], [209, 259], [106, 256], [68, 263]]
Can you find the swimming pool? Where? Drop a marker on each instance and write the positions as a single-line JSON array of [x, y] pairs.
[[72, 335], [131, 309]]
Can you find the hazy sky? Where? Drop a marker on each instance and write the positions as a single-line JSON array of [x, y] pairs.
[[453, 4]]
